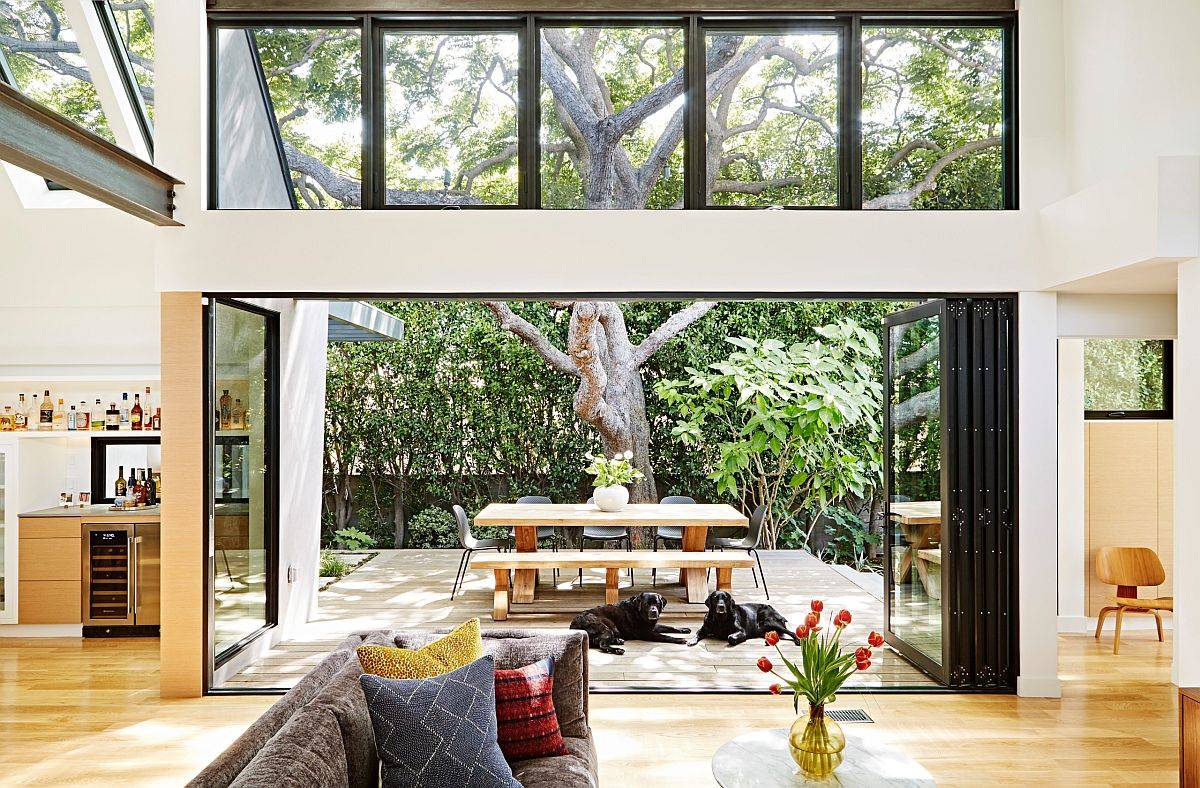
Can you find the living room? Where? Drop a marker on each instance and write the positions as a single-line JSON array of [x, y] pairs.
[[323, 171]]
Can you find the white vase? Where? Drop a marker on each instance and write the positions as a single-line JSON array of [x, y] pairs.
[[611, 499]]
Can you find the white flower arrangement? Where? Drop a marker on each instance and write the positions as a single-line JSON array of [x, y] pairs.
[[613, 471]]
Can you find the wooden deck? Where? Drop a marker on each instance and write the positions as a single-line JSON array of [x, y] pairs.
[[402, 589]]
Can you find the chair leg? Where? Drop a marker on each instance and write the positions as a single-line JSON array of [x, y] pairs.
[[1100, 618], [1117, 634], [462, 562], [629, 549], [1158, 623], [761, 573]]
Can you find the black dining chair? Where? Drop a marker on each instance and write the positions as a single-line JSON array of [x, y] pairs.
[[544, 531], [669, 533], [605, 534], [749, 543], [470, 546]]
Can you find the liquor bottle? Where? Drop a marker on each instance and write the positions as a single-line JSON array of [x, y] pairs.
[[226, 418], [83, 419], [97, 416], [130, 483], [156, 423], [157, 487], [73, 419], [112, 418], [135, 415], [238, 415], [119, 485], [139, 488], [151, 491], [7, 419], [46, 413], [58, 417], [124, 423], [147, 409], [21, 417]]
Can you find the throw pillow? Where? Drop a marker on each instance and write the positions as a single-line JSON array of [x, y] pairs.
[[438, 732], [525, 712], [461, 647]]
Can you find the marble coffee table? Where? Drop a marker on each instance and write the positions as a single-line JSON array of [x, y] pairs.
[[761, 759]]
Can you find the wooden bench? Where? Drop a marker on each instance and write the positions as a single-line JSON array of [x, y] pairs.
[[929, 569], [612, 561]]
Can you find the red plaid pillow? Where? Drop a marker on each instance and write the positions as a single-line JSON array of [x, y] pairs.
[[525, 712]]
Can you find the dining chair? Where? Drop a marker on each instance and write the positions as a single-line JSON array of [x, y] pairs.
[[605, 534], [749, 543], [669, 533], [471, 545], [544, 531], [1127, 568]]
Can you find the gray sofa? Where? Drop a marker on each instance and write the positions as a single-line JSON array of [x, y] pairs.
[[293, 743]]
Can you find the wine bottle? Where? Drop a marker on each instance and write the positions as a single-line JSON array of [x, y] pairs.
[[131, 482], [119, 487], [151, 491], [58, 418], [157, 422]]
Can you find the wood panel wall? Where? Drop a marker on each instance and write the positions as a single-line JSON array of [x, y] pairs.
[[1129, 496], [182, 647]]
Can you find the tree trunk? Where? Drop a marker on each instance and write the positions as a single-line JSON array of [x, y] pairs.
[[398, 518]]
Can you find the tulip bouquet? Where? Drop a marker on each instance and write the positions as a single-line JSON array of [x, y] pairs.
[[815, 741]]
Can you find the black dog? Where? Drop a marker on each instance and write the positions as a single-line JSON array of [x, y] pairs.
[[636, 618], [735, 624]]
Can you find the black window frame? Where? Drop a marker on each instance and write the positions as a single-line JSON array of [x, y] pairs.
[[696, 26], [1166, 412], [100, 445], [129, 81]]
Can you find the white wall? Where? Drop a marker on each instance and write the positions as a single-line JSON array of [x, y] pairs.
[[1186, 666], [1131, 88], [1116, 315], [1071, 486]]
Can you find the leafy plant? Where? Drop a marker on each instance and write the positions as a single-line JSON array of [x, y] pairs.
[[797, 426], [332, 565], [850, 539], [433, 528], [354, 539], [823, 667], [614, 471]]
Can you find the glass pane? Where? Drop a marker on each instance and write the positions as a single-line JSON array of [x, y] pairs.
[[451, 116], [932, 118], [915, 493], [312, 78], [773, 119], [43, 55], [135, 23], [1123, 374], [240, 472], [612, 117]]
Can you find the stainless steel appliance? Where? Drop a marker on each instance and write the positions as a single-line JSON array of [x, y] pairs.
[[120, 579]]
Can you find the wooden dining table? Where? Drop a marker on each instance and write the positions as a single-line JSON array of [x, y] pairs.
[[694, 519], [921, 524]]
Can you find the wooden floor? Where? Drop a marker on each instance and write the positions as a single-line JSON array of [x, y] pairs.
[[411, 588], [88, 713]]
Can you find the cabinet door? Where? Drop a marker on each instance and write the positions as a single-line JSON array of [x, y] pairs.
[[8, 532]]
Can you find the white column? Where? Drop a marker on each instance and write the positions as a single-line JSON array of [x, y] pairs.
[[1186, 668], [1037, 479], [1071, 546]]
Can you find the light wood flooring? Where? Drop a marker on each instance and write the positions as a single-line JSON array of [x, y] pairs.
[[411, 589], [78, 712]]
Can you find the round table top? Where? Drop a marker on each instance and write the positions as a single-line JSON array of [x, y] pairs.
[[761, 759]]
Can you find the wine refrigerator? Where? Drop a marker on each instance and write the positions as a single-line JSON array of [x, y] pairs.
[[121, 579]]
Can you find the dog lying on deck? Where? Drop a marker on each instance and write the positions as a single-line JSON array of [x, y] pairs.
[[735, 624], [636, 618]]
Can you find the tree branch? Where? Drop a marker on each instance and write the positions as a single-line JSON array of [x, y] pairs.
[[918, 358], [512, 322], [916, 408], [904, 199], [673, 326]]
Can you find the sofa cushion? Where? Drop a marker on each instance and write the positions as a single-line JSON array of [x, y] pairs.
[[528, 727], [307, 752], [439, 731], [342, 696], [514, 648], [460, 647], [577, 769]]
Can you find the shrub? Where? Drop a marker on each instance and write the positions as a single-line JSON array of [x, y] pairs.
[[332, 565], [432, 527], [353, 539]]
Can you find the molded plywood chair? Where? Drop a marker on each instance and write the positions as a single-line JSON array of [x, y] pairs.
[[1127, 568]]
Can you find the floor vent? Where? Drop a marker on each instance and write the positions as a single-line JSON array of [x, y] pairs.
[[848, 715]]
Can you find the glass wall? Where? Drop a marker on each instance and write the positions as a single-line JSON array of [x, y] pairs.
[[243, 549]]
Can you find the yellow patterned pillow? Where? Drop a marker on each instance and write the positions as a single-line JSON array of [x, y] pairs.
[[459, 648]]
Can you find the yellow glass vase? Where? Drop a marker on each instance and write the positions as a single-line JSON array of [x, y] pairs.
[[816, 743]]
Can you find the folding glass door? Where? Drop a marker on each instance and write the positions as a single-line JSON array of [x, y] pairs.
[[950, 541]]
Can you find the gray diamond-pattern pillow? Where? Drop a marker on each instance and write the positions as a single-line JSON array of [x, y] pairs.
[[438, 732]]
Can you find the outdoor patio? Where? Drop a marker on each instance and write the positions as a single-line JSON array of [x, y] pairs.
[[401, 589]]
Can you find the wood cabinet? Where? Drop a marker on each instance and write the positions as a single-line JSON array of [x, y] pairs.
[[50, 571], [1189, 737], [1129, 497]]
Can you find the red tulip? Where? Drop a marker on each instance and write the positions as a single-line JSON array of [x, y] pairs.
[[811, 620], [875, 639], [772, 638], [866, 663], [775, 689], [764, 665], [862, 654], [802, 631], [843, 618], [817, 606]]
